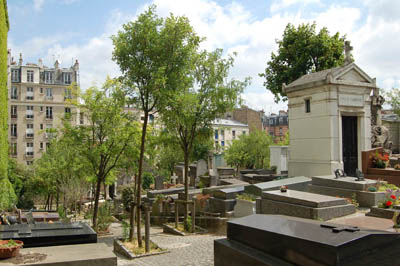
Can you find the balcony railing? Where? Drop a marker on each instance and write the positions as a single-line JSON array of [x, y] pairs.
[[14, 116]]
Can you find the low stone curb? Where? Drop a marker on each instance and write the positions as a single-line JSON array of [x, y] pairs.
[[172, 230], [120, 248], [382, 213]]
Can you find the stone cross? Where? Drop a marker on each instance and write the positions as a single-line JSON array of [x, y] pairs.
[[336, 229], [173, 179], [347, 53]]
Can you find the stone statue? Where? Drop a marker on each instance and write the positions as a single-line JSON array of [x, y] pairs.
[[380, 138], [359, 175]]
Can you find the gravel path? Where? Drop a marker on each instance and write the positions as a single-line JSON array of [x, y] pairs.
[[184, 250]]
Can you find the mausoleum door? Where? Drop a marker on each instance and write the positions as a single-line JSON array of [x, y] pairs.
[[349, 144]]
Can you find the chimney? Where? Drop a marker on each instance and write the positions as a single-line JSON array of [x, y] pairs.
[[20, 59], [76, 65]]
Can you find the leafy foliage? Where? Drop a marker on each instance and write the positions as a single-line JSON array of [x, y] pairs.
[[301, 51], [21, 177], [392, 97], [7, 195], [250, 151], [153, 54], [110, 135], [148, 179]]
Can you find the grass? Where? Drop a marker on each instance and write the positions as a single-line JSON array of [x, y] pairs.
[[135, 249]]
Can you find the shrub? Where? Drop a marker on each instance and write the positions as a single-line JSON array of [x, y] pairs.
[[104, 218], [372, 189], [148, 179], [128, 197]]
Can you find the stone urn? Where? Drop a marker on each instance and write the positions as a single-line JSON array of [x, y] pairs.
[[244, 208]]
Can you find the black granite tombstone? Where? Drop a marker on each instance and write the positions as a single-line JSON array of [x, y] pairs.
[[47, 234], [282, 240]]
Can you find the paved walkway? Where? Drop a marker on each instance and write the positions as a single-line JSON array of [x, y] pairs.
[[184, 250]]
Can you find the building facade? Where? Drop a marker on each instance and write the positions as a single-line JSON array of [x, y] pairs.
[[247, 116], [38, 100], [276, 125]]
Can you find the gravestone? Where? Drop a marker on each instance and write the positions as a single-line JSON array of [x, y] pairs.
[[281, 240], [159, 183], [47, 234], [224, 200], [173, 179], [180, 172], [304, 205], [347, 187], [294, 183]]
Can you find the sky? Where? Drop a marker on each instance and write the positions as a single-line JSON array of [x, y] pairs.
[[80, 29]]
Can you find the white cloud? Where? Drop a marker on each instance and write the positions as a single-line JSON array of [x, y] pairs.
[[37, 4], [234, 28]]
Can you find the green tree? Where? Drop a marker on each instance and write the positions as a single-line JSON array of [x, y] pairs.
[[110, 134], [196, 104], [250, 151], [393, 99], [152, 54], [301, 51]]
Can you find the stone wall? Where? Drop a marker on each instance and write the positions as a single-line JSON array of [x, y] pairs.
[[248, 116]]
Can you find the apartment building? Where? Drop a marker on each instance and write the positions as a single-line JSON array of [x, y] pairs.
[[276, 125], [38, 101], [227, 130], [247, 116]]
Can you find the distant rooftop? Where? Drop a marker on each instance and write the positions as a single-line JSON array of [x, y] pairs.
[[228, 122]]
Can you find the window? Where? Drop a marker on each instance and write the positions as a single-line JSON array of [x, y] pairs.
[[216, 143], [67, 78], [13, 149], [29, 162], [41, 90], [280, 120], [49, 93], [81, 118], [29, 93], [14, 93], [308, 105], [222, 134], [280, 131], [49, 112], [67, 113], [29, 130], [67, 94], [41, 126], [216, 133], [41, 108], [222, 143], [271, 133], [49, 133], [233, 134], [47, 145], [29, 149], [151, 118], [271, 121], [41, 145], [48, 77], [15, 76], [244, 132], [29, 112], [13, 130], [29, 76], [14, 111]]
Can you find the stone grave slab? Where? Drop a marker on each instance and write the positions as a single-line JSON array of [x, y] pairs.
[[228, 193], [347, 187], [46, 234], [221, 206], [170, 191], [294, 183], [210, 190], [283, 240], [304, 205], [76, 255], [343, 182]]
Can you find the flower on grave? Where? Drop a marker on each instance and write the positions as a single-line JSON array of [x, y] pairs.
[[389, 190], [393, 197], [380, 160], [389, 203], [284, 188]]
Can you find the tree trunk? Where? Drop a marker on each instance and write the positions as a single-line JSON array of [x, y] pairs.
[[132, 214], [139, 182], [46, 205], [96, 203], [51, 202], [57, 198], [186, 160]]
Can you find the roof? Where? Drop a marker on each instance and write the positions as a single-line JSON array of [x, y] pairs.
[[228, 122], [350, 74]]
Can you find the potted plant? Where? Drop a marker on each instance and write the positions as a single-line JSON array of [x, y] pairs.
[[9, 248], [245, 205], [380, 160]]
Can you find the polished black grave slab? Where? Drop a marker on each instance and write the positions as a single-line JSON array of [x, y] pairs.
[[300, 241], [49, 234]]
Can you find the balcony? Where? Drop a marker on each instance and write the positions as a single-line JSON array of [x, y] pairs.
[[29, 135], [29, 154], [49, 98], [29, 117], [14, 116]]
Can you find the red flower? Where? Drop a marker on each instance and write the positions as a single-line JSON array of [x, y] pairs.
[[388, 203], [393, 197]]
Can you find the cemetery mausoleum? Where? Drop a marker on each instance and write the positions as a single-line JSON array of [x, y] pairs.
[[330, 120]]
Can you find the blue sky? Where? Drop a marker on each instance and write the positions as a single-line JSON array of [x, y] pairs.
[[80, 29]]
